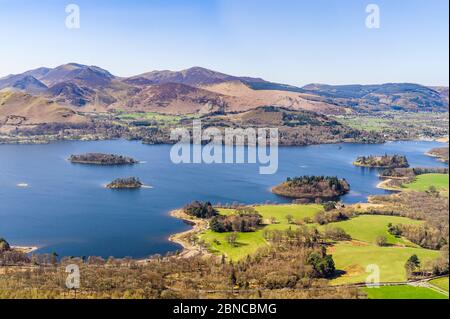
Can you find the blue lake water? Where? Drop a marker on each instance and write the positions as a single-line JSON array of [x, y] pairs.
[[66, 209]]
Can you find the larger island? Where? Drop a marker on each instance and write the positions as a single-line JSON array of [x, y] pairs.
[[102, 159], [312, 188]]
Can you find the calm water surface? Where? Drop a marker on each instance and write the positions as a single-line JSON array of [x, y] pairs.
[[66, 209]]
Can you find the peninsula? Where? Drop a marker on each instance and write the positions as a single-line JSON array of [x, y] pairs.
[[441, 153]]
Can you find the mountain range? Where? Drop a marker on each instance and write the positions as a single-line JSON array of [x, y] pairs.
[[66, 92]]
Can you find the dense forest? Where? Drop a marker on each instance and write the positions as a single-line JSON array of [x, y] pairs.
[[200, 210], [244, 220]]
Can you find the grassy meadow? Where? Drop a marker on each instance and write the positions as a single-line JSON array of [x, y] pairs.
[[403, 292], [367, 228], [424, 182], [249, 243], [353, 258]]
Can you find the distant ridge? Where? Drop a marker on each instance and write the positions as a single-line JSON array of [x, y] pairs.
[[200, 90]]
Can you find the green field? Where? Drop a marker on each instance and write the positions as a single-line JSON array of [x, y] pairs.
[[281, 211], [441, 283], [396, 123], [249, 243], [152, 116], [423, 182], [353, 258], [366, 124], [403, 292], [368, 227]]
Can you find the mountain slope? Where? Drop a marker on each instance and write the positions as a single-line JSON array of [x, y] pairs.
[[18, 109], [71, 93], [23, 82], [194, 76], [241, 97], [390, 96], [94, 89], [78, 73], [29, 84], [174, 98]]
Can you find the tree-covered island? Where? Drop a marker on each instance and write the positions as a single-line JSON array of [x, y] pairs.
[[385, 161], [312, 188], [102, 159], [125, 183]]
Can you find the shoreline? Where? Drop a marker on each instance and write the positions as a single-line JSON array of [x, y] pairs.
[[182, 239], [25, 249], [384, 185], [7, 140], [437, 157]]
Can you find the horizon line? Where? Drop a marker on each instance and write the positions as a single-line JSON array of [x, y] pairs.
[[224, 72]]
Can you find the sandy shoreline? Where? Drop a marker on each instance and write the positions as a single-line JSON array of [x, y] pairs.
[[385, 185], [442, 139], [437, 157], [184, 238], [25, 249]]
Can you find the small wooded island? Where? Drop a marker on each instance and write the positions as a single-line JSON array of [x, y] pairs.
[[102, 159], [313, 188], [385, 161], [125, 183]]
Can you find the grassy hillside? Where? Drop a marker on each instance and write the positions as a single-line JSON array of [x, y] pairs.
[[424, 182], [367, 228], [281, 211], [353, 258]]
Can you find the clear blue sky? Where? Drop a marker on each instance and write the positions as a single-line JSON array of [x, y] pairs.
[[289, 41]]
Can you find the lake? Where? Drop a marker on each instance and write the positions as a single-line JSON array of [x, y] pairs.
[[65, 208]]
